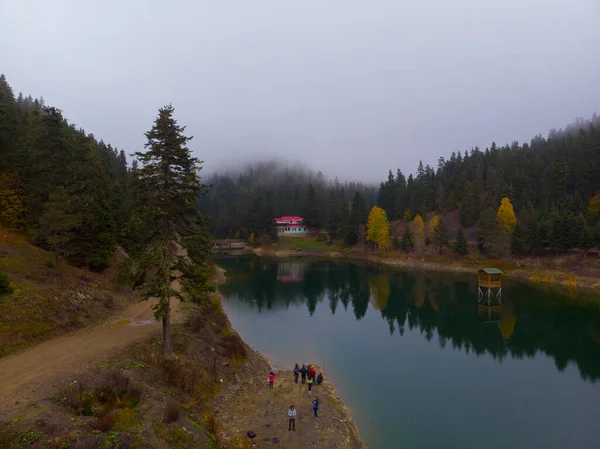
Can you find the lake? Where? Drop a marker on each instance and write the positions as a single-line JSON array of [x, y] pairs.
[[419, 361]]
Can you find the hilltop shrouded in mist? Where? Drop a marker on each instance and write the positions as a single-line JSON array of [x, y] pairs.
[[250, 198], [351, 88]]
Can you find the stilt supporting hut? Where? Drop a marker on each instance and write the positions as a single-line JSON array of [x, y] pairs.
[[489, 284]]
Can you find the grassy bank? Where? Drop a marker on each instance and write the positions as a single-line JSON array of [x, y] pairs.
[[572, 271], [45, 302], [210, 393]]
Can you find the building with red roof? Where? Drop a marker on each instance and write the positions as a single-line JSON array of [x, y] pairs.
[[291, 226]]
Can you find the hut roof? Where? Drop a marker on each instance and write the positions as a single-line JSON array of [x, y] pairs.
[[490, 271]]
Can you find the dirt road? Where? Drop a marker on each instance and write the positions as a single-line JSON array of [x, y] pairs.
[[38, 371]]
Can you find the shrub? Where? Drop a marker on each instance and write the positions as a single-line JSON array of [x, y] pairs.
[[233, 347], [241, 442], [106, 422], [49, 264], [321, 237], [5, 285], [210, 423], [172, 411], [125, 418], [179, 436]]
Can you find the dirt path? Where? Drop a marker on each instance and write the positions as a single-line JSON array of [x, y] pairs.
[[36, 372]]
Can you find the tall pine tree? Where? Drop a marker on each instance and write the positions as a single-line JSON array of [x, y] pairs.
[[175, 241]]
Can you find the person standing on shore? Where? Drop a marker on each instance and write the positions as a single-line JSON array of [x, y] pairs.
[[271, 379], [292, 417], [296, 372], [316, 406], [303, 371], [309, 381]]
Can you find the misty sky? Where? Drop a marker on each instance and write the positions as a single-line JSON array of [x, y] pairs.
[[350, 87]]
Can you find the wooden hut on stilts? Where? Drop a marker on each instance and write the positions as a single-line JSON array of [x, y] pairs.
[[489, 285]]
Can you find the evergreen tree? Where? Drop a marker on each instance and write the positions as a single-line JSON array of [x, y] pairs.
[[6, 287], [596, 234], [359, 215], [8, 124], [566, 231], [469, 208], [440, 235], [461, 247], [176, 243], [522, 239], [587, 239], [333, 215], [310, 209], [489, 238], [408, 241], [540, 237], [58, 222], [12, 209]]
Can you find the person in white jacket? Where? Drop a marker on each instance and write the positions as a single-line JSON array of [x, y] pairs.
[[292, 416]]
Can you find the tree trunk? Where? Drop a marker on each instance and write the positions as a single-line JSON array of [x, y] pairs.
[[167, 343]]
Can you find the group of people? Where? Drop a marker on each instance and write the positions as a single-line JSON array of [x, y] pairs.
[[308, 375], [292, 414]]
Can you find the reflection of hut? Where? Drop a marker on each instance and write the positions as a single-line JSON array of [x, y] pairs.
[[489, 314], [291, 271], [489, 279]]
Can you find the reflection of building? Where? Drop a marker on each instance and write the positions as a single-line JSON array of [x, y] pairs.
[[291, 271], [291, 226]]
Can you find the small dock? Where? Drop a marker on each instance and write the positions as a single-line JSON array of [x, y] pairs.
[[229, 247], [229, 244]]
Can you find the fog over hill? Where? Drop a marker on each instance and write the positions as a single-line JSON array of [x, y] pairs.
[[350, 88]]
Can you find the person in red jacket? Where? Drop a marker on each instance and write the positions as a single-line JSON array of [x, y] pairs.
[[271, 379]]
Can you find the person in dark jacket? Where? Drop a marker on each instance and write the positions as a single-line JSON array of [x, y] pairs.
[[296, 372], [320, 379], [316, 407], [303, 372]]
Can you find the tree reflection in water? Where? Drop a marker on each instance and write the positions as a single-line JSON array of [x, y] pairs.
[[529, 320]]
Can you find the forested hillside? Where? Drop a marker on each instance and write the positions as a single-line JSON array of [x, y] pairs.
[[246, 202], [551, 184], [60, 184]]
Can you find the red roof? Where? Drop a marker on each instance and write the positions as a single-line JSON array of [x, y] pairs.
[[280, 219]]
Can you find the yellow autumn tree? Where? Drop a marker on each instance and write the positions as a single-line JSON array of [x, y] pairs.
[[431, 224], [593, 209], [379, 291], [506, 216], [507, 322], [252, 238], [419, 230], [378, 228], [407, 215]]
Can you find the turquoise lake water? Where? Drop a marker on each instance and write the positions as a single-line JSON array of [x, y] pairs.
[[419, 361]]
